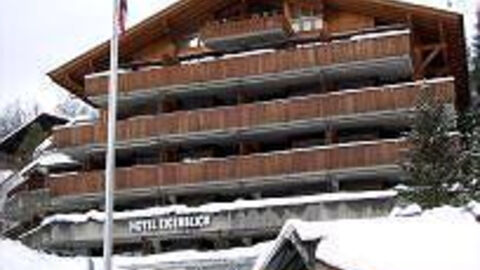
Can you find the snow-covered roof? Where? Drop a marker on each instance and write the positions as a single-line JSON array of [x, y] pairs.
[[56, 158], [25, 258], [17, 178], [4, 174], [218, 207], [382, 34], [190, 256], [42, 117], [442, 239]]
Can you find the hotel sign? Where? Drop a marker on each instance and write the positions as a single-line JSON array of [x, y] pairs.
[[169, 223]]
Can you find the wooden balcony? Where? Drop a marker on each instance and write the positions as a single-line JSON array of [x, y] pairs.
[[253, 32], [258, 115], [366, 56], [253, 168]]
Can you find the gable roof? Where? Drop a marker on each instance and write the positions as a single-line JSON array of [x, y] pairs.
[[405, 240], [186, 15], [10, 143]]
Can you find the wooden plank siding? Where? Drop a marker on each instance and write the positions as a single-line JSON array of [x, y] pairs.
[[257, 23], [344, 51], [318, 159], [388, 98]]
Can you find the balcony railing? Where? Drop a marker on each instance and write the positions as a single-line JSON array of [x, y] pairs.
[[250, 32], [322, 106], [323, 55], [300, 161]]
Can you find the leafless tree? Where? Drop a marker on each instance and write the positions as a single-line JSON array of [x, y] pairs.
[[15, 114]]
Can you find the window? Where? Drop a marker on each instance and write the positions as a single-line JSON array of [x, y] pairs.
[[306, 20]]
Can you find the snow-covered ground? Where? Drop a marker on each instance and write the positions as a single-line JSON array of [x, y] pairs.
[[15, 256], [444, 238]]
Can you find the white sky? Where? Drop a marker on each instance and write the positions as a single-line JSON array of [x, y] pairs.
[[39, 35]]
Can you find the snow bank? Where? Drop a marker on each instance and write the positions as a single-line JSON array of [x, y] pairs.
[[15, 256], [217, 207], [443, 238], [191, 257]]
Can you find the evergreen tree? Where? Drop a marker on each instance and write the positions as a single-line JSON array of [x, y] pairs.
[[473, 154], [434, 161], [469, 127], [475, 60]]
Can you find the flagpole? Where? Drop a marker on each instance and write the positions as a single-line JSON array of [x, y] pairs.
[[110, 159]]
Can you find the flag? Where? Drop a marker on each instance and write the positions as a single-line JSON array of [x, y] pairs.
[[122, 16]]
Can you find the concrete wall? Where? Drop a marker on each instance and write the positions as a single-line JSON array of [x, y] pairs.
[[234, 224]]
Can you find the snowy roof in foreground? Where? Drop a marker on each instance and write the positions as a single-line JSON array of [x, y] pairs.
[[26, 258], [218, 207], [442, 239]]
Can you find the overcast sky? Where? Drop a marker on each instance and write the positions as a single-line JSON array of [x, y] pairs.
[[39, 35]]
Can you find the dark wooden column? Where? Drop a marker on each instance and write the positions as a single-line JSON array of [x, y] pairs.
[[331, 135]]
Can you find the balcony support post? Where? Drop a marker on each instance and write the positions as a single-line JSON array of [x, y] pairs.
[[172, 199], [287, 11], [443, 40], [331, 135]]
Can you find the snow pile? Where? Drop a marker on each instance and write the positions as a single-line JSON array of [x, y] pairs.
[[15, 256], [444, 238], [95, 215], [474, 208], [191, 257], [468, 213], [408, 211]]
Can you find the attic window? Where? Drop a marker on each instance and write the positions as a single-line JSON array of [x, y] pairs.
[[306, 19]]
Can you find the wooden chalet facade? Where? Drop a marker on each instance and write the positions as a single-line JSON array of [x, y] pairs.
[[220, 100]]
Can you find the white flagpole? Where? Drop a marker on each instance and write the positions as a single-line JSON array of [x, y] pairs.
[[110, 161]]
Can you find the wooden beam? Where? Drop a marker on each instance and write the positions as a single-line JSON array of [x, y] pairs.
[[415, 55], [430, 58], [331, 135], [443, 40], [429, 47], [417, 62], [287, 11]]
